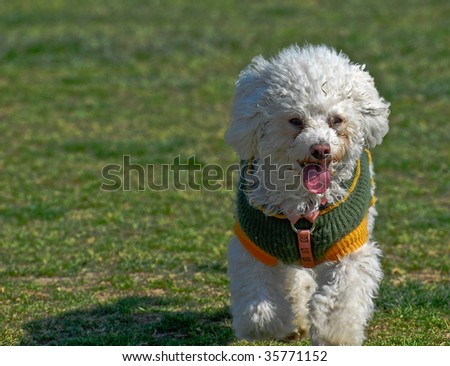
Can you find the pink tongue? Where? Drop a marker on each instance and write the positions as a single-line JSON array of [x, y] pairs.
[[316, 178]]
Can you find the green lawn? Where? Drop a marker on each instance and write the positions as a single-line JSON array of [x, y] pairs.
[[84, 83]]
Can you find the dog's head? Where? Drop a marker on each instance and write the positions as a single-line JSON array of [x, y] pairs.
[[310, 108]]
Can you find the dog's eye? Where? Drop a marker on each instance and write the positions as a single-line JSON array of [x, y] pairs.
[[297, 122], [335, 121]]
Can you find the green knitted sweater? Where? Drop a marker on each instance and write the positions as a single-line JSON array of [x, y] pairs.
[[276, 237]]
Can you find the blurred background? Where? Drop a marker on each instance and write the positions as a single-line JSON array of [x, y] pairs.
[[84, 83]]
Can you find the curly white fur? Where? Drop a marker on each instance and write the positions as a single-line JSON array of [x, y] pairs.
[[337, 103]]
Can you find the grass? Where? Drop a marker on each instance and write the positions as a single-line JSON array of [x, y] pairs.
[[85, 83]]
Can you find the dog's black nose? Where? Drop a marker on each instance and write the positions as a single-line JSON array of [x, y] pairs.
[[320, 151]]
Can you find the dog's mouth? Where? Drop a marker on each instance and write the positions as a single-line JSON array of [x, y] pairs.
[[316, 176]]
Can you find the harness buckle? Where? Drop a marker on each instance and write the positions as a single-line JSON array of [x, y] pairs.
[[297, 230]]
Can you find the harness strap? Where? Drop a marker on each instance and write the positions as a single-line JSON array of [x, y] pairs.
[[304, 246]]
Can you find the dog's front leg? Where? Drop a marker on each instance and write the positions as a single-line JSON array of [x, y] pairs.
[[259, 304], [343, 303]]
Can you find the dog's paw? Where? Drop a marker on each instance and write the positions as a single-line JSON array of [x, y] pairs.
[[297, 336], [336, 336]]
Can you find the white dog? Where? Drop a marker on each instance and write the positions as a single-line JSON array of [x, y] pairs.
[[303, 258]]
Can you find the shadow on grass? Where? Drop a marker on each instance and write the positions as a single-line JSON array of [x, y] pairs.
[[408, 314], [131, 321]]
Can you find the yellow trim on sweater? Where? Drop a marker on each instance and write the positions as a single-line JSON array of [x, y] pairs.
[[349, 243], [369, 155]]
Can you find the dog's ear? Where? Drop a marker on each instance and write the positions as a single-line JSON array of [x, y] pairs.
[[248, 112], [374, 110], [375, 121]]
